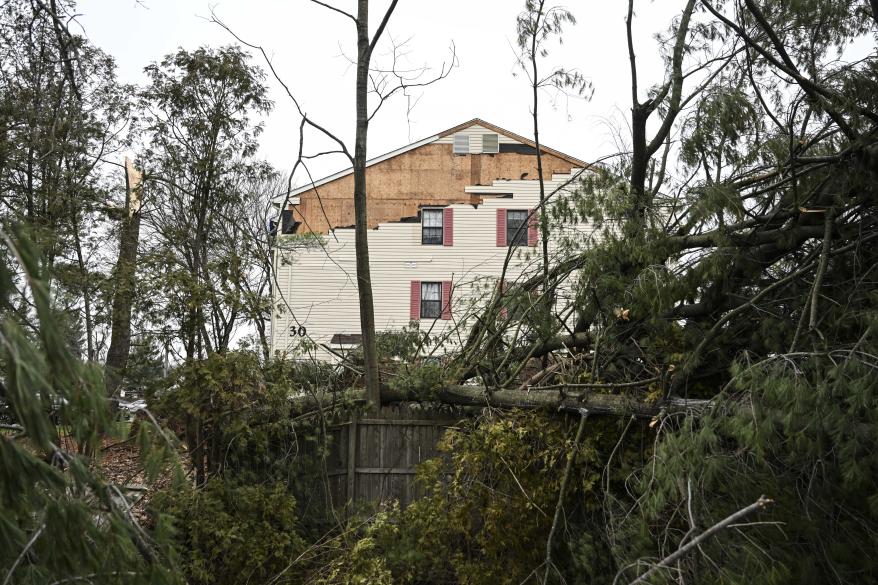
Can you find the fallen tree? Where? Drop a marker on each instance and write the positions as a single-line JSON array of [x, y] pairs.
[[562, 397]]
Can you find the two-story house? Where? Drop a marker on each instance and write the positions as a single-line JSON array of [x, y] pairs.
[[446, 214]]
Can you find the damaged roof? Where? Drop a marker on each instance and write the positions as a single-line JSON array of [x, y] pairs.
[[474, 122]]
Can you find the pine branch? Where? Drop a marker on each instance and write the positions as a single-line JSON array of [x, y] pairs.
[[23, 553]]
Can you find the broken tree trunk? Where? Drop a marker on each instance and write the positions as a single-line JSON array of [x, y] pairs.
[[565, 398], [123, 296]]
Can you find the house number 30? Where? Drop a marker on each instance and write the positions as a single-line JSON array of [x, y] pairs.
[[301, 331]]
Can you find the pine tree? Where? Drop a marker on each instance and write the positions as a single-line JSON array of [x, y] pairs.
[[59, 520]]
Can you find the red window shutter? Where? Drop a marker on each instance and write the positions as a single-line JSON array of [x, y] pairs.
[[532, 232], [448, 227], [501, 228], [415, 301], [446, 299]]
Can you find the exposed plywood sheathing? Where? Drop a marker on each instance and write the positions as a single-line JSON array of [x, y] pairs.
[[424, 173]]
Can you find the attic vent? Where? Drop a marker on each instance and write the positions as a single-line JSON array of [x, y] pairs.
[[461, 144], [490, 143]]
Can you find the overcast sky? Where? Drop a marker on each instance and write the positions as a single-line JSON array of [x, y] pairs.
[[308, 44]]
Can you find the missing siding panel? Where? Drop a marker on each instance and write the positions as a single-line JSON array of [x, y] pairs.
[[517, 148], [475, 169], [346, 339], [288, 224]]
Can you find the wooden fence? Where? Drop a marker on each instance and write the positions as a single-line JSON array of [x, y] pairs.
[[374, 459]]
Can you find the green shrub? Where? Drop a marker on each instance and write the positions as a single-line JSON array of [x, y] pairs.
[[356, 556], [232, 533], [230, 418]]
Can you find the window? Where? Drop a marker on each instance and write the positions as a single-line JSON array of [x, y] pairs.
[[346, 339], [490, 143], [431, 300], [461, 144], [287, 224], [431, 226], [516, 227]]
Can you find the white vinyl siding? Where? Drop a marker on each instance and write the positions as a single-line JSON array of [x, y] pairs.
[[475, 133], [461, 144], [319, 283]]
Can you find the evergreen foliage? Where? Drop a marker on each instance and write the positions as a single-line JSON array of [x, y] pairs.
[[233, 421], [59, 520], [489, 509], [55, 131]]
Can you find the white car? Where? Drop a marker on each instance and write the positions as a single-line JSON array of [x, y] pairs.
[[132, 407]]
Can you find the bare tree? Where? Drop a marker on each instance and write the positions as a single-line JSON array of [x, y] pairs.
[[381, 84], [248, 232], [365, 47]]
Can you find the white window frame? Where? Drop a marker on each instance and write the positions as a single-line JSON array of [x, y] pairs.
[[441, 213], [461, 144], [436, 303]]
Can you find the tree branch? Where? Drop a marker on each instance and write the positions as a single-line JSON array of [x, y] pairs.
[[583, 415], [631, 56], [759, 504], [334, 9], [380, 29]]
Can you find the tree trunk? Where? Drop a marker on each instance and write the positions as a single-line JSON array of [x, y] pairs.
[[639, 161], [544, 218], [86, 289], [569, 398], [361, 230], [123, 296]]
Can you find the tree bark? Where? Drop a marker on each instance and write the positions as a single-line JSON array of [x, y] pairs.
[[642, 150], [544, 219], [85, 287], [639, 161], [566, 398], [123, 296], [361, 225]]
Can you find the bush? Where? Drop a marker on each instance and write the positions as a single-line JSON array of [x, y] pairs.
[[356, 556], [233, 533], [230, 418]]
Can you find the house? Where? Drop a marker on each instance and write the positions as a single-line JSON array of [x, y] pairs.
[[444, 214]]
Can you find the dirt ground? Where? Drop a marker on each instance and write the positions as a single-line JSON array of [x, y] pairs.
[[119, 464]]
